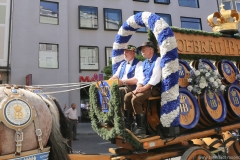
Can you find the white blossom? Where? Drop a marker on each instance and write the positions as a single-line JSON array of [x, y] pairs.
[[211, 79], [222, 87], [207, 74], [189, 79], [197, 72], [190, 88], [202, 85]]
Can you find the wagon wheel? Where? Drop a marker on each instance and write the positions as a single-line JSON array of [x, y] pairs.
[[197, 153]]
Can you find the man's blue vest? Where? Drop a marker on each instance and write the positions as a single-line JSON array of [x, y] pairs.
[[131, 71], [148, 68]]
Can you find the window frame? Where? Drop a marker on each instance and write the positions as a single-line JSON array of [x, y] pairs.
[[192, 18], [57, 56], [236, 5], [141, 1], [104, 19], [106, 56], [57, 12], [190, 6], [162, 2], [231, 4], [139, 31], [166, 14], [79, 18], [80, 69]]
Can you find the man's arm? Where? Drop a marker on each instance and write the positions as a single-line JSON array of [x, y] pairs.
[[116, 75], [155, 78], [156, 75], [138, 74]]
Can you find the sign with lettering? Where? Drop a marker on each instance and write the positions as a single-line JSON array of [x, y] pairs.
[[199, 44], [95, 77]]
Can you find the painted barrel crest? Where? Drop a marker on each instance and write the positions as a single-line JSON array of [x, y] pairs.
[[184, 73], [189, 109], [227, 70], [232, 96], [212, 107]]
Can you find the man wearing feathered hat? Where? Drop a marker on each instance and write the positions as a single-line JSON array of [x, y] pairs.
[[128, 74]]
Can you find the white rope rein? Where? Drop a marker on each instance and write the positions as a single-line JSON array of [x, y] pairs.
[[65, 90], [64, 85]]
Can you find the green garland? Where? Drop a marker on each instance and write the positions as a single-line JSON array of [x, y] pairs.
[[196, 32], [200, 32], [114, 114]]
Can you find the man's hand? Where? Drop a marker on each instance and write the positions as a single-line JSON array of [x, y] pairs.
[[64, 107], [140, 89], [120, 82], [68, 119]]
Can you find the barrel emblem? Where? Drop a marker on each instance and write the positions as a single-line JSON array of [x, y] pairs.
[[229, 71], [189, 110], [234, 99], [214, 106]]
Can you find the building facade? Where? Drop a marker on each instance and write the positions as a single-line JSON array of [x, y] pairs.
[[61, 41]]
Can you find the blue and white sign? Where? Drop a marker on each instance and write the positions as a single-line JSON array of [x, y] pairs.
[[38, 156]]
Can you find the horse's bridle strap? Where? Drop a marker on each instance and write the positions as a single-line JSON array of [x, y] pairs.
[[18, 139], [38, 131]]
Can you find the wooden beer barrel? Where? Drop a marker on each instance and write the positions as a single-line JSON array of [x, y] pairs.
[[212, 108], [189, 109], [232, 97], [184, 73], [228, 71], [234, 150]]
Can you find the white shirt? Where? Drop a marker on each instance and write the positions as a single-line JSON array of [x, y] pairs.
[[72, 114], [138, 70], [156, 74], [82, 105]]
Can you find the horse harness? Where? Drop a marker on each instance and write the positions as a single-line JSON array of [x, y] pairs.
[[17, 113]]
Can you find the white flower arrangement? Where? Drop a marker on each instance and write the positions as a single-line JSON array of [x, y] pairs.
[[204, 77], [238, 77]]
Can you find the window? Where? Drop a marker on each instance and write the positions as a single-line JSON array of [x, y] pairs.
[[144, 29], [88, 58], [192, 23], [112, 19], [48, 12], [162, 1], [188, 3], [166, 17], [2, 14], [238, 6], [142, 0], [108, 55], [48, 55], [227, 5], [88, 17]]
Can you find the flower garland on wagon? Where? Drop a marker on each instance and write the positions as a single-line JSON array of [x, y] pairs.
[[204, 77]]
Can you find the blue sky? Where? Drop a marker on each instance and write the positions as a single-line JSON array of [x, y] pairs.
[[49, 5]]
